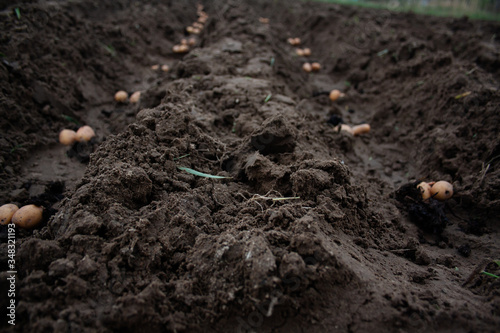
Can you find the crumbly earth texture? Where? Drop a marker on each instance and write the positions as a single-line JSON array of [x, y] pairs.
[[313, 230]]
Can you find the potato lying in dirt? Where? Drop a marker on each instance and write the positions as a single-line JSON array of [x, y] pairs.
[[336, 94], [84, 133], [343, 127], [67, 137], [355, 130], [6, 213], [441, 190], [121, 96], [425, 190], [361, 129], [28, 217], [134, 98]]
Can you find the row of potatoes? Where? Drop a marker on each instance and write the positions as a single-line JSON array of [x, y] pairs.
[[122, 96], [29, 216], [334, 95]]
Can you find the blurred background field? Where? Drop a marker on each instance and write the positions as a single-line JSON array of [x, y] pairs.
[[474, 9]]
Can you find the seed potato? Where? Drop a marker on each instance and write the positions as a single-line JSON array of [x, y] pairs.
[[28, 217], [361, 129], [6, 213], [425, 190], [84, 134], [344, 128], [442, 190], [67, 137], [121, 96], [335, 94], [134, 98]]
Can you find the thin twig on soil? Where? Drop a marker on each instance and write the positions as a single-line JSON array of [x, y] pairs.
[[258, 196], [178, 158], [484, 170]]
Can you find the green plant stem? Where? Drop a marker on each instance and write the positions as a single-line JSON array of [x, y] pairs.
[[489, 274]]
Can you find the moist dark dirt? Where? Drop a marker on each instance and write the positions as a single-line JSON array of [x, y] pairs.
[[309, 232]]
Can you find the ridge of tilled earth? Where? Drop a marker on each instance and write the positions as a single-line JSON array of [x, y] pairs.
[[141, 245], [156, 247]]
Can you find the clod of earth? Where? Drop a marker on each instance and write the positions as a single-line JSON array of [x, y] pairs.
[[429, 215], [335, 120], [275, 136]]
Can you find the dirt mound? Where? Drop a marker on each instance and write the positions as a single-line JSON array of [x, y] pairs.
[[303, 230], [64, 62]]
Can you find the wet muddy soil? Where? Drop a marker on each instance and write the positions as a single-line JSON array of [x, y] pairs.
[[311, 229]]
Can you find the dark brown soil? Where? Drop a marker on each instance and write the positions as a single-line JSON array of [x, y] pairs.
[[133, 243]]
